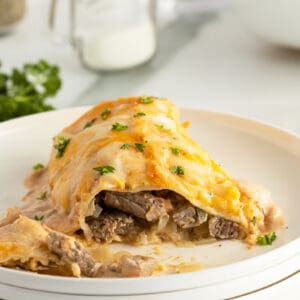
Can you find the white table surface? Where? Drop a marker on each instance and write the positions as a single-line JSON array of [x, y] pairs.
[[210, 61]]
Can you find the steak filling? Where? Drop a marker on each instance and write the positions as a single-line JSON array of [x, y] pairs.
[[223, 229], [143, 205], [109, 225], [121, 214]]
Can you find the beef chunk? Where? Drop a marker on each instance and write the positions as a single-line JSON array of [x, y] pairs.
[[109, 224], [142, 204], [223, 229], [189, 217], [129, 266], [71, 251]]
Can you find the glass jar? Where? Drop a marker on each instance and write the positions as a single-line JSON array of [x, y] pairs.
[[113, 34]]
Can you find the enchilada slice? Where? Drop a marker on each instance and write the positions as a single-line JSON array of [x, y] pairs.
[[127, 170]]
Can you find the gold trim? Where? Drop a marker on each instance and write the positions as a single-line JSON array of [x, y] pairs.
[[264, 287]]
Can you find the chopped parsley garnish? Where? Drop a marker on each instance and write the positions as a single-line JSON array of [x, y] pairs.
[[119, 127], [104, 169], [254, 219], [125, 146], [146, 100], [38, 166], [160, 126], [177, 170], [61, 146], [42, 196], [139, 114], [140, 147], [175, 150], [210, 194], [38, 218], [89, 123], [105, 113], [266, 239]]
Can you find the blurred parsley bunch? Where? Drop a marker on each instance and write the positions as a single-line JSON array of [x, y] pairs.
[[25, 91]]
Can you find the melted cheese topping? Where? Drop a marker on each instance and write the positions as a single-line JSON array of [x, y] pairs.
[[74, 182]]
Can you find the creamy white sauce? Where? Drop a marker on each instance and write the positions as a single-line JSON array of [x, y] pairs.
[[273, 217]]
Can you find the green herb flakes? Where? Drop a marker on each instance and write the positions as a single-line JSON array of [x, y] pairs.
[[104, 169], [105, 113], [38, 166], [160, 126], [254, 219], [42, 196], [175, 150], [139, 114], [178, 170], [118, 127], [140, 147], [146, 100], [38, 218], [89, 123], [125, 146], [61, 146], [266, 239]]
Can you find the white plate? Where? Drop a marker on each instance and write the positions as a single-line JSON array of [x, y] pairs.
[[245, 148]]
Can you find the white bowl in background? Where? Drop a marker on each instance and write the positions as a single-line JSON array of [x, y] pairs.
[[247, 149], [277, 21]]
